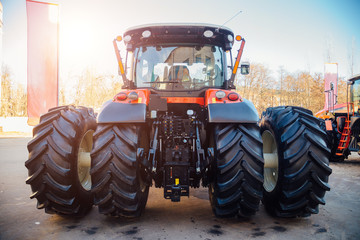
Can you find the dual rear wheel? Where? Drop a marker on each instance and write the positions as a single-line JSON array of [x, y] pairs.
[[285, 163], [73, 162]]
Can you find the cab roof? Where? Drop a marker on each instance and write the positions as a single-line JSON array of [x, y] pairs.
[[355, 78], [179, 34]]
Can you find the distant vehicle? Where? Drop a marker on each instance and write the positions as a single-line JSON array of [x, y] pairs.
[[343, 123]]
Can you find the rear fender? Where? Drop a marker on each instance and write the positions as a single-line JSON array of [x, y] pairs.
[[125, 110], [114, 112], [226, 111]]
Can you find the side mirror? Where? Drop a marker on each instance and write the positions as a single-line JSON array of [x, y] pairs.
[[245, 68]]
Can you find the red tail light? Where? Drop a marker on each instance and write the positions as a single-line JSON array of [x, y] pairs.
[[233, 96], [121, 96]]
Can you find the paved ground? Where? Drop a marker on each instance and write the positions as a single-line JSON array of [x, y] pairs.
[[190, 219]]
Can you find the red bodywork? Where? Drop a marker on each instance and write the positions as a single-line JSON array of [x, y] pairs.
[[210, 97]]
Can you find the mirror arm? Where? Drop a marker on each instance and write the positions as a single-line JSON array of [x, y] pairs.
[[121, 66], [237, 62]]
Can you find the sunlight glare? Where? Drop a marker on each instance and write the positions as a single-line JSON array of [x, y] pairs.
[[53, 13]]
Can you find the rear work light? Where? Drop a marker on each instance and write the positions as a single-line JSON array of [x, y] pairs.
[[121, 96], [220, 94], [208, 34], [127, 38], [146, 34], [233, 96], [133, 96]]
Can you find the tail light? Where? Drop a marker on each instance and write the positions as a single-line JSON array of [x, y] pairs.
[[121, 96], [233, 96]]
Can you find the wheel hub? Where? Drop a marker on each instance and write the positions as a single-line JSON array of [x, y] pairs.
[[84, 160], [271, 161]]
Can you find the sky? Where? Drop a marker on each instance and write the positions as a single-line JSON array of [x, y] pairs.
[[297, 34]]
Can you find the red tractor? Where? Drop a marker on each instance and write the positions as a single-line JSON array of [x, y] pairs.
[[343, 122], [177, 124]]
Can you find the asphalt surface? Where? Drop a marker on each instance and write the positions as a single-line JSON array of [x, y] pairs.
[[192, 218]]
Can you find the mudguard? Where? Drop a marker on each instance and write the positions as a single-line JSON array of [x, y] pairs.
[[114, 112], [240, 112]]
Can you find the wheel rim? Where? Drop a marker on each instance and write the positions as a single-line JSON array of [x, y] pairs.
[[84, 160], [271, 161], [142, 182]]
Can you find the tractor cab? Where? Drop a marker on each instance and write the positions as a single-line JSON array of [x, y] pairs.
[[178, 57], [355, 92], [343, 122]]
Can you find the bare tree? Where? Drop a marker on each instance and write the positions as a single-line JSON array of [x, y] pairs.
[[317, 94], [351, 56], [329, 58], [257, 86], [6, 89], [13, 96], [93, 89], [281, 73], [298, 89]]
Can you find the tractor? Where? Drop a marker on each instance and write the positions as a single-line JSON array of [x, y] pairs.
[[343, 122], [178, 124]]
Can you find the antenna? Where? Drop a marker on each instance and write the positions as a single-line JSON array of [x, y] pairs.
[[231, 18]]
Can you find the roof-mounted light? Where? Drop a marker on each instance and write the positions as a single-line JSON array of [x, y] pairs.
[[127, 38], [146, 34], [208, 33], [118, 38]]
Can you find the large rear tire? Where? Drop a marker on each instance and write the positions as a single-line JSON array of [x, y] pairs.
[[118, 183], [59, 179], [237, 186], [296, 173]]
